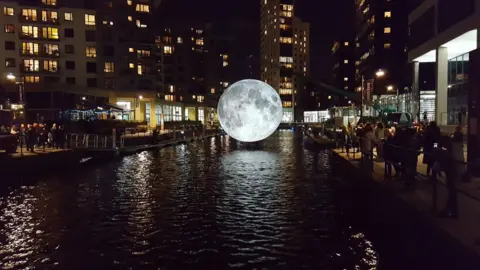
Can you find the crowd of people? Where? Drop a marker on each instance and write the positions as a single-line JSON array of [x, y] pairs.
[[399, 149], [37, 135]]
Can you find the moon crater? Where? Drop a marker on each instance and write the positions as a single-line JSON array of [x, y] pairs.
[[250, 110]]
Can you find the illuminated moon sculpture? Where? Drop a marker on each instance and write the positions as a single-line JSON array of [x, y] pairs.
[[250, 110]]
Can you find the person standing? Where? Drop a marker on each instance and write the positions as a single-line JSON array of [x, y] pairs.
[[431, 138], [379, 137], [367, 142], [445, 157]]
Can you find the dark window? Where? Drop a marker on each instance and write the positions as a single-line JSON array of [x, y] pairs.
[[423, 29], [9, 28], [451, 12], [70, 80], [10, 45], [70, 65], [91, 67], [69, 32], [10, 62], [51, 79], [107, 34], [69, 49], [91, 82], [90, 35], [109, 83], [108, 51]]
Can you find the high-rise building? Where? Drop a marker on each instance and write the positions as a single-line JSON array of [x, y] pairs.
[[381, 44], [48, 48], [343, 51], [284, 54]]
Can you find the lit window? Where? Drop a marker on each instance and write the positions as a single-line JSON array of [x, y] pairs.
[[91, 51], [8, 11], [29, 14], [284, 59], [31, 79], [169, 97], [199, 41], [50, 65], [9, 28], [387, 30], [89, 19], [345, 61], [131, 50], [109, 67], [31, 65], [129, 18], [212, 90], [143, 53], [142, 8], [284, 26], [140, 25], [285, 91], [51, 49], [131, 65], [287, 104], [30, 31], [179, 40], [49, 16], [129, 2], [171, 88], [50, 32], [346, 44], [141, 69], [387, 45], [167, 49], [388, 14], [286, 40], [345, 79], [225, 63], [29, 48], [68, 16], [287, 14], [200, 99], [50, 2]]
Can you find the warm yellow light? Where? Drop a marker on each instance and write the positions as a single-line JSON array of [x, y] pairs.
[[380, 73], [390, 88], [10, 76], [140, 97], [329, 97], [131, 50]]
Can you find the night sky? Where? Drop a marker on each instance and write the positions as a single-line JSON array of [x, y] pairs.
[[326, 22]]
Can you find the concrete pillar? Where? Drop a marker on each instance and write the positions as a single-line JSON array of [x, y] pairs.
[[153, 115], [441, 86], [416, 90], [140, 111], [473, 131]]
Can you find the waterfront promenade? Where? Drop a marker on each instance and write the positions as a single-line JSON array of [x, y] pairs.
[[465, 229]]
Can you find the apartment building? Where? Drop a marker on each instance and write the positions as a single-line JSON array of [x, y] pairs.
[[284, 56], [52, 50]]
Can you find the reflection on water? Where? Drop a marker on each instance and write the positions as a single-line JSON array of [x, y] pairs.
[[212, 204]]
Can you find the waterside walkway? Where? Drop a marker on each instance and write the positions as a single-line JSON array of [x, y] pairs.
[[465, 229]]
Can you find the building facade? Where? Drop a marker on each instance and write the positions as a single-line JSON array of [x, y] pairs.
[[284, 55], [51, 50], [381, 45], [445, 33], [343, 73]]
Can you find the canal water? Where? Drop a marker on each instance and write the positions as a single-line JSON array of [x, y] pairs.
[[214, 204]]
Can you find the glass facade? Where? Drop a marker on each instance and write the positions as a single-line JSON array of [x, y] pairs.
[[427, 105], [457, 90]]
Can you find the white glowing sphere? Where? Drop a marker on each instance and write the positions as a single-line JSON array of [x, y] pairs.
[[250, 110]]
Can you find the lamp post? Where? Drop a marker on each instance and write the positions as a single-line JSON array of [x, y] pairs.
[[379, 74], [21, 93]]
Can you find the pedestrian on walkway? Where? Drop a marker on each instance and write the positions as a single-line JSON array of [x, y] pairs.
[[446, 161], [410, 162], [431, 138], [367, 142], [388, 153], [379, 137]]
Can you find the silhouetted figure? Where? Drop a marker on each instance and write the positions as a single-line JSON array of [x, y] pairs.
[[431, 137]]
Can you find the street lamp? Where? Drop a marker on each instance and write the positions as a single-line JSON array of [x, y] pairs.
[[380, 73], [140, 97], [21, 93], [390, 88]]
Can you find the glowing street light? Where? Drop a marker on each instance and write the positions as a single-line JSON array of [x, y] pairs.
[[380, 73], [84, 98], [140, 97], [390, 87], [10, 76], [329, 97]]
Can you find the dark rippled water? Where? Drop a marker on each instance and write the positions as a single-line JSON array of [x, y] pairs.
[[207, 205]]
